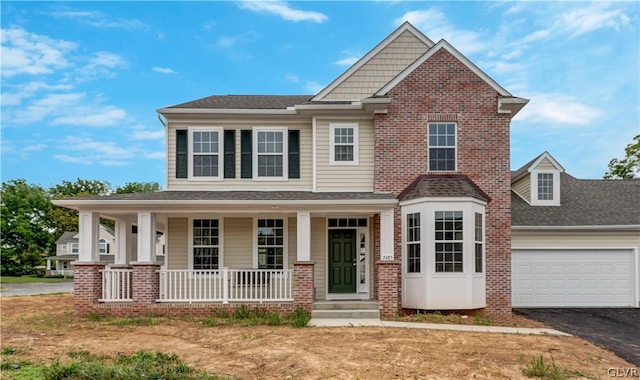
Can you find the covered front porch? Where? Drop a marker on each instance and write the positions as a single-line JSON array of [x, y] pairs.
[[275, 253]]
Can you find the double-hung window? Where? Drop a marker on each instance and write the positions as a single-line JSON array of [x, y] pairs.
[[479, 232], [270, 153], [205, 158], [545, 186], [206, 244], [442, 146], [448, 241], [344, 144], [103, 246], [270, 243], [413, 243]]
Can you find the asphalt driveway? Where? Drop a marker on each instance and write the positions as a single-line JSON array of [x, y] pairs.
[[617, 330], [33, 288]]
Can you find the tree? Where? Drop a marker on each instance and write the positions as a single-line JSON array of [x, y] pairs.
[[629, 166], [138, 187], [25, 226]]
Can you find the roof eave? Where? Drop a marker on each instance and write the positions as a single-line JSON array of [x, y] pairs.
[[627, 227], [248, 111], [511, 105]]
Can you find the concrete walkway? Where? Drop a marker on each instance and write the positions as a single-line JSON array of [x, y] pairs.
[[338, 322], [34, 288]]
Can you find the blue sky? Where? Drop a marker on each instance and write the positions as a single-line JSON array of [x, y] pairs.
[[81, 81]]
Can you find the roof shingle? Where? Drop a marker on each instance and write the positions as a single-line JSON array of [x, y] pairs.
[[457, 185]]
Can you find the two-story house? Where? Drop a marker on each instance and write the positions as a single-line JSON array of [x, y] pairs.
[[67, 248], [391, 185]]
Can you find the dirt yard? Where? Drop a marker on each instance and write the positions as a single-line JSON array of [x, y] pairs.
[[42, 328]]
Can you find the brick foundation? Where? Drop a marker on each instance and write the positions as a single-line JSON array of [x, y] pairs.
[[145, 283], [87, 287], [303, 289], [388, 287]]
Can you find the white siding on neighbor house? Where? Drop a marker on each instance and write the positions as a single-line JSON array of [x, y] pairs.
[[380, 69], [305, 181], [522, 187], [177, 244], [319, 256], [588, 240], [344, 177]]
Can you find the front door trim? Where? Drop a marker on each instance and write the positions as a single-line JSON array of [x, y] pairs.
[[362, 289]]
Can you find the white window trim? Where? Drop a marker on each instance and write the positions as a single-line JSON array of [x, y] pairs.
[[406, 242], [285, 241], [455, 147], [77, 246], [556, 189], [481, 241], [220, 240], [332, 144], [220, 153], [103, 242], [285, 153]]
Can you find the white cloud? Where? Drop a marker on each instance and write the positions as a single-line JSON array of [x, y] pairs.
[[22, 91], [32, 54], [292, 78], [595, 16], [148, 134], [347, 61], [163, 70], [282, 9], [85, 150], [100, 64], [230, 41], [104, 116], [550, 109], [436, 26], [100, 20], [502, 67], [314, 87]]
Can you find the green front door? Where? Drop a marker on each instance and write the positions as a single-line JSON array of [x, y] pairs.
[[342, 261]]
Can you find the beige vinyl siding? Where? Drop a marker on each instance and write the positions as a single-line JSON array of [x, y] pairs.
[[344, 177], [238, 243], [586, 240], [545, 164], [522, 187], [380, 69], [305, 181], [292, 241], [319, 256], [177, 244]]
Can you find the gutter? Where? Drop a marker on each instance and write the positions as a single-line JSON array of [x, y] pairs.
[[624, 227]]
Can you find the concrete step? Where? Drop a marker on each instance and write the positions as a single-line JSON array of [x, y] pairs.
[[346, 305], [346, 314]]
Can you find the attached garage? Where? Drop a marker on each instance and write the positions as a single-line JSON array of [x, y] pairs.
[[574, 278]]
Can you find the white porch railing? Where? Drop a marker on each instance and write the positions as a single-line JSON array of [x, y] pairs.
[[116, 285], [61, 272], [226, 285]]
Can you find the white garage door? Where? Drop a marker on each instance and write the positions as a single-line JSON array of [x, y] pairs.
[[573, 278]]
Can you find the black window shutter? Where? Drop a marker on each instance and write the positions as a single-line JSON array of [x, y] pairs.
[[246, 154], [229, 154], [294, 154], [182, 151]]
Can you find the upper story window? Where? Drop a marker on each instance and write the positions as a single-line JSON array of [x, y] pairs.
[[103, 246], [344, 144], [74, 247], [205, 158], [545, 188], [442, 146], [270, 153]]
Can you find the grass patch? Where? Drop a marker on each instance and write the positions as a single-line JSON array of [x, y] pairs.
[[85, 365], [134, 321], [537, 367], [30, 279], [244, 316]]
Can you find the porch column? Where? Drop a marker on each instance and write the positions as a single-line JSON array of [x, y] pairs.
[[304, 236], [303, 291], [146, 237], [89, 226], [387, 235], [123, 253]]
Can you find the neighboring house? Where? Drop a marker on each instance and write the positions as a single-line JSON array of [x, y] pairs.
[[67, 247], [390, 185], [575, 242]]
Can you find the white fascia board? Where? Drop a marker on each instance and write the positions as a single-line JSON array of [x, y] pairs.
[[252, 111], [442, 199], [443, 44], [372, 53], [316, 107], [630, 227], [511, 105], [548, 156]]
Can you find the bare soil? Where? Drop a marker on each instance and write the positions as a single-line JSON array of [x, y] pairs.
[[43, 328]]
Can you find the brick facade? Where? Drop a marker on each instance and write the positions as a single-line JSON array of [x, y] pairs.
[[87, 287], [303, 293], [388, 287], [443, 88], [145, 282]]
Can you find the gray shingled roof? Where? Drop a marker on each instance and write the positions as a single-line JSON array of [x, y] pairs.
[[67, 237], [429, 185], [583, 202], [246, 102], [239, 196]]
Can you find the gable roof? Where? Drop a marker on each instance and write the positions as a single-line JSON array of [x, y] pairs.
[[443, 186], [531, 165], [585, 202], [405, 27]]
